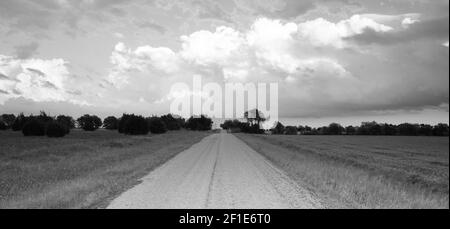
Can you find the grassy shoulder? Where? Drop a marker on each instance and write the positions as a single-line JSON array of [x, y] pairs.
[[82, 170], [363, 171]]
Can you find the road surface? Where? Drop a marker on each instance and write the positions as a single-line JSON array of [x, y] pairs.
[[221, 171]]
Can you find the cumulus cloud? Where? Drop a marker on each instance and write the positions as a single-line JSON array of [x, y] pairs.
[[266, 52], [266, 46], [143, 59], [35, 79], [321, 32], [205, 47], [311, 60]]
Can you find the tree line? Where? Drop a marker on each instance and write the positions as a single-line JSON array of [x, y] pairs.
[[252, 125], [366, 128], [131, 124]]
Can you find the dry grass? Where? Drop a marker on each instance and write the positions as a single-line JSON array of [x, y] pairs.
[[82, 170], [364, 171]]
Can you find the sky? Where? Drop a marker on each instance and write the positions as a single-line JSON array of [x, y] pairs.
[[334, 60]]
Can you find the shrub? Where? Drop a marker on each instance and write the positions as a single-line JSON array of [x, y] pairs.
[[89, 122], [122, 121], [111, 123], [34, 127], [44, 118], [202, 123], [157, 125], [19, 122], [56, 130], [171, 122], [440, 129], [350, 130], [136, 125], [8, 120], [335, 129], [290, 130], [3, 126], [67, 121], [408, 129]]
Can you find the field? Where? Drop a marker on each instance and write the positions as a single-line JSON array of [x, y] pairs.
[[81, 170], [363, 171]]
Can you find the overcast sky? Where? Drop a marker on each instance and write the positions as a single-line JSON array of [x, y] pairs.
[[338, 60]]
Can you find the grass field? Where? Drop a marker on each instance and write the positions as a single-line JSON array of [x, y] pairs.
[[363, 171], [81, 170]]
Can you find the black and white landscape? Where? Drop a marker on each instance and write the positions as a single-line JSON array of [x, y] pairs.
[[229, 104]]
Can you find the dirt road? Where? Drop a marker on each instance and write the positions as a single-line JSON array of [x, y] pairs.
[[221, 171]]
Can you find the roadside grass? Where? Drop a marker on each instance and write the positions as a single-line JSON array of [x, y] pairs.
[[363, 171], [82, 170]]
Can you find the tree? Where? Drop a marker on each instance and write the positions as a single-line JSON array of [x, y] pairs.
[[8, 120], [133, 125], [425, 130], [19, 122], [44, 118], [440, 129], [157, 125], [290, 130], [111, 123], [235, 126], [369, 128], [388, 129], [226, 125], [278, 128], [89, 122], [3, 126], [67, 121], [335, 129], [34, 127], [201, 123], [172, 123], [408, 129], [56, 129], [122, 121], [301, 129], [323, 130], [350, 130], [136, 125]]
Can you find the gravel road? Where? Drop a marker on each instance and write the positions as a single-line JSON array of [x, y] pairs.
[[221, 171]]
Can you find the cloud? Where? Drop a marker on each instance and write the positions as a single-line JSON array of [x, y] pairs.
[[266, 52], [143, 59], [151, 25], [4, 92], [31, 16], [205, 47], [35, 79], [321, 32], [408, 21], [281, 9], [436, 28]]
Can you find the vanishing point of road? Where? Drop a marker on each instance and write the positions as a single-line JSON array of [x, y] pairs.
[[220, 171]]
